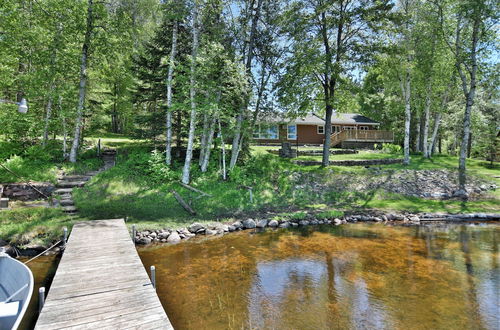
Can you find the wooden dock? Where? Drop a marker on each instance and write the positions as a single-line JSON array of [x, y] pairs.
[[101, 283]]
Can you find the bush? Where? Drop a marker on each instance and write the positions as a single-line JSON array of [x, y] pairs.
[[332, 214], [390, 148]]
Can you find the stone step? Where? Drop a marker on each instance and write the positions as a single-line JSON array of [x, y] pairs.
[[92, 173], [62, 191], [69, 209], [76, 178], [70, 184], [66, 202]]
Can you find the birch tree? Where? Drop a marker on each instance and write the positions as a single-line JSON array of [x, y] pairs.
[[82, 91], [171, 64], [192, 95]]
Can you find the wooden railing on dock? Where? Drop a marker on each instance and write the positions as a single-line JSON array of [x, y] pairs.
[[362, 136], [101, 283]]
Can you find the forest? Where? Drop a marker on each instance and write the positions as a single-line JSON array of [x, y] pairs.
[[195, 76]]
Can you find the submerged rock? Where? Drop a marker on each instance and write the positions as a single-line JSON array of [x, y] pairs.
[[143, 241]]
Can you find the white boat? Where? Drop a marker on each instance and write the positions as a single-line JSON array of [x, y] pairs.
[[16, 287]]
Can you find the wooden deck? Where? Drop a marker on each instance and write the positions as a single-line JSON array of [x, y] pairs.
[[101, 283]]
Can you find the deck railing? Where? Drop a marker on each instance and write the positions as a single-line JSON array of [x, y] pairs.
[[362, 135]]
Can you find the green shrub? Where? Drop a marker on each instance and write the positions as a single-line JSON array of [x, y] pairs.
[[390, 148]]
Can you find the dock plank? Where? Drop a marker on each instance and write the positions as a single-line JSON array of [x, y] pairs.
[[101, 283]]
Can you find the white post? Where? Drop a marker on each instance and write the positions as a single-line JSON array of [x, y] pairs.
[[153, 276], [41, 298]]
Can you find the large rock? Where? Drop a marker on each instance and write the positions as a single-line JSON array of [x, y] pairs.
[[143, 241], [273, 223], [195, 227], [249, 224], [303, 222], [210, 232], [231, 228], [237, 225], [173, 238], [261, 223], [285, 224]]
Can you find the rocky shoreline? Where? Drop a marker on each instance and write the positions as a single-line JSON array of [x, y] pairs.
[[174, 236]]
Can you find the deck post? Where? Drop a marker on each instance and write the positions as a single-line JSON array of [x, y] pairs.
[[153, 276], [65, 236], [41, 298], [133, 233]]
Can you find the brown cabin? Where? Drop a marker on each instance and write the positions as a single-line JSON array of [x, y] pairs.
[[349, 130]]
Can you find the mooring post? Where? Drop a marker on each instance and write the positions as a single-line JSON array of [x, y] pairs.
[[153, 276], [133, 233], [41, 298], [65, 236]]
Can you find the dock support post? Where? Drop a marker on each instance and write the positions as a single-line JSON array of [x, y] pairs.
[[41, 298], [153, 276], [65, 236], [133, 233]]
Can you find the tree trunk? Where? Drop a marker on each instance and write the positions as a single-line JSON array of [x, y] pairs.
[[328, 133], [48, 113], [425, 133], [192, 95], [238, 136], [432, 145], [168, 124], [223, 145], [405, 87], [178, 130], [65, 131], [469, 93], [204, 138], [206, 154], [83, 83]]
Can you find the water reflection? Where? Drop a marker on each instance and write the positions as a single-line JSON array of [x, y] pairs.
[[348, 277]]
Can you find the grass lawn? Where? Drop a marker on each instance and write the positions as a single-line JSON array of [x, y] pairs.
[[139, 188]]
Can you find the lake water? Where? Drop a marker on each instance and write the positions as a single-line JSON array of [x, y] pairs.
[[355, 276]]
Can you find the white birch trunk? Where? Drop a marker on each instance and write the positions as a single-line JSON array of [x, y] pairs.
[[235, 148], [48, 114], [206, 154], [204, 138], [168, 143], [65, 131], [405, 88], [223, 144], [192, 94], [83, 84], [425, 138], [437, 122]]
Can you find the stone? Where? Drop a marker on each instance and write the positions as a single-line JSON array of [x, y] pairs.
[[377, 219], [231, 228], [321, 222], [314, 222], [294, 224], [303, 222], [210, 232], [143, 241], [261, 223], [273, 223], [200, 231], [414, 218], [163, 240], [173, 238], [237, 225], [163, 234], [249, 224], [285, 224], [153, 235], [337, 222], [195, 227], [384, 217]]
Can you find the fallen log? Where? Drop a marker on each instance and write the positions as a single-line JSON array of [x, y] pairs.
[[183, 203], [194, 189]]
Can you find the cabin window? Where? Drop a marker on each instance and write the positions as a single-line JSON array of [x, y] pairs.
[[266, 132], [291, 132], [335, 128], [321, 129], [363, 128], [349, 128]]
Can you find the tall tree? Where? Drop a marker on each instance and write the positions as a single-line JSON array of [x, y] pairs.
[[329, 39], [192, 95]]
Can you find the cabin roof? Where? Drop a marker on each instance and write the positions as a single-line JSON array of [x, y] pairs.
[[314, 119]]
